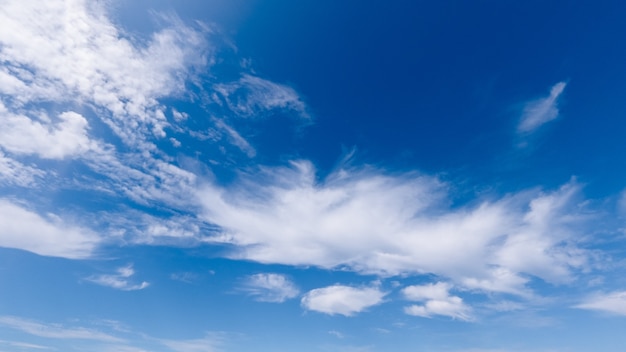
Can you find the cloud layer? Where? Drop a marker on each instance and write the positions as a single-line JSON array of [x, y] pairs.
[[372, 222]]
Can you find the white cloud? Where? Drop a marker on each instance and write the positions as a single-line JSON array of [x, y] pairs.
[[252, 95], [69, 51], [236, 139], [120, 280], [613, 302], [15, 173], [538, 112], [209, 343], [436, 301], [55, 331], [343, 300], [49, 235], [270, 287], [47, 139], [374, 222]]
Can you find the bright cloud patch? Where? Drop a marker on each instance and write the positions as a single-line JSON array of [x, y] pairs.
[[50, 140], [120, 280], [394, 224], [614, 302], [15, 173], [343, 300], [436, 301], [93, 62], [270, 287], [49, 235], [537, 113]]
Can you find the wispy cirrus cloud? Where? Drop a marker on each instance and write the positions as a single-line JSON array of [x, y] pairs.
[[252, 95], [55, 331], [13, 172], [120, 280], [25, 345], [538, 112], [76, 337], [611, 302], [270, 287], [212, 342], [342, 300], [436, 300], [373, 222]]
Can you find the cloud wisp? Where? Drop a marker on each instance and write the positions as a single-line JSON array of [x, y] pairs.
[[120, 280], [252, 95], [55, 331], [612, 302], [270, 287], [538, 112]]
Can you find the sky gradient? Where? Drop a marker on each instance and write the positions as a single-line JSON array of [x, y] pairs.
[[333, 176]]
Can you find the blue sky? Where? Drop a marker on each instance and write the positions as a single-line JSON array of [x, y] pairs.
[[312, 176]]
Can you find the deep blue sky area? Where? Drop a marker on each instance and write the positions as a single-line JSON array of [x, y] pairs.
[[316, 176], [433, 83]]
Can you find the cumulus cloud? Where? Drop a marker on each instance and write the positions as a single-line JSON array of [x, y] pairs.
[[538, 112], [47, 139], [612, 302], [373, 222], [120, 280], [45, 235], [270, 287], [343, 300], [436, 301]]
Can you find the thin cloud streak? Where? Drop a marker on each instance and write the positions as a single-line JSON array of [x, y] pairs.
[[120, 280], [538, 112], [55, 331], [612, 302]]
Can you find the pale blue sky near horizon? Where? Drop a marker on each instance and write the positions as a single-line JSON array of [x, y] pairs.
[[312, 175]]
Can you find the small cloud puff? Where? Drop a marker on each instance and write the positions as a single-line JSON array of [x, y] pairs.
[[120, 280], [538, 112], [270, 287], [436, 301], [343, 300], [613, 302]]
